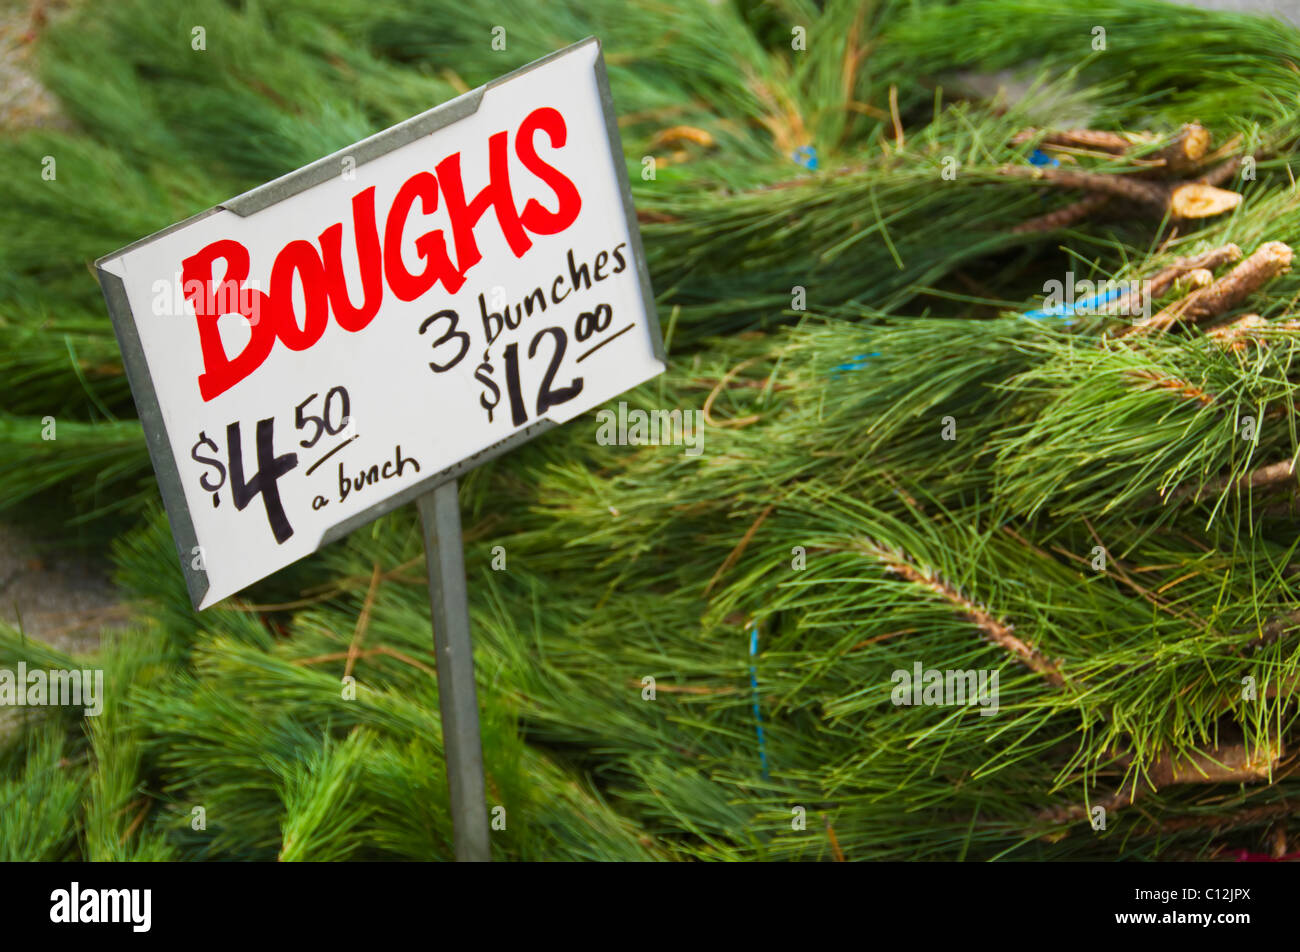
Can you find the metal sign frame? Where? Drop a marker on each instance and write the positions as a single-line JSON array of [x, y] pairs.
[[277, 190]]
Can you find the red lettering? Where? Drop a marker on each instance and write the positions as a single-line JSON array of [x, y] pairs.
[[321, 272], [368, 258], [431, 246], [299, 256], [220, 373], [535, 217], [496, 195]]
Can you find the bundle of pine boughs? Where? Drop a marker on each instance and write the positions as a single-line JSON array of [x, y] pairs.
[[911, 463]]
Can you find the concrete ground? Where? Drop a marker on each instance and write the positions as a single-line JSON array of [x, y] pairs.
[[1288, 10], [64, 599]]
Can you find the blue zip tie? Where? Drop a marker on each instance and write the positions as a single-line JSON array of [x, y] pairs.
[[758, 716], [806, 156], [1065, 310], [856, 363], [1040, 158]]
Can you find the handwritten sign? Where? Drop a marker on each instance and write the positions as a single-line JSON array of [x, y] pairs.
[[325, 348]]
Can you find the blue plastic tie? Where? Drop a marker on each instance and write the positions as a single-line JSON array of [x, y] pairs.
[[855, 364], [806, 156], [758, 715], [1065, 310]]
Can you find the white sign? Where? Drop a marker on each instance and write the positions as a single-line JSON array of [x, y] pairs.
[[333, 344]]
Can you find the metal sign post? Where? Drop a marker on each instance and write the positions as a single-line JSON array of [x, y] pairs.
[[457, 697]]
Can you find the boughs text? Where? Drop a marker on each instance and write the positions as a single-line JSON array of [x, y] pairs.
[[319, 265]]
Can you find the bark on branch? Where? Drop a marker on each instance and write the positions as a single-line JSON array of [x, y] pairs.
[[994, 630], [1270, 259], [1181, 200], [1233, 763]]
